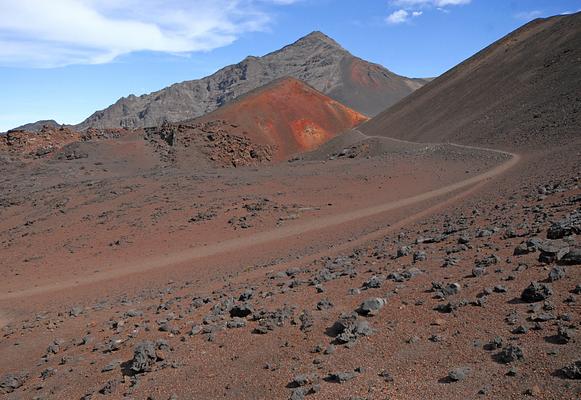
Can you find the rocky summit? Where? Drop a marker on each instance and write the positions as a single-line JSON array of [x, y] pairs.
[[315, 59]]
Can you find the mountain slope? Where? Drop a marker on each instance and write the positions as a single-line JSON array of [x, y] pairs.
[[286, 116], [523, 90], [37, 126], [315, 59]]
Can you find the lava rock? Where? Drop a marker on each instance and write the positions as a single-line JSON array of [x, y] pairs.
[[510, 354], [573, 257], [11, 382], [341, 377], [556, 273], [144, 357], [241, 311], [371, 306], [458, 374], [552, 252], [572, 371], [536, 292], [349, 328]]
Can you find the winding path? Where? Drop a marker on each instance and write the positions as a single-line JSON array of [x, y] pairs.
[[278, 233]]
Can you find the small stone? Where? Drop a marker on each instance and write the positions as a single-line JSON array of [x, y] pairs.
[[500, 289], [534, 391], [510, 354], [536, 292], [420, 256], [520, 330], [371, 306], [341, 377], [572, 371], [458, 374], [556, 273]]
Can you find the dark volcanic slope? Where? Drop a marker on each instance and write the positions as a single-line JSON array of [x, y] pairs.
[[315, 59], [524, 90]]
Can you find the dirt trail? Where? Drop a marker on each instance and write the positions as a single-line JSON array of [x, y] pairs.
[[271, 235]]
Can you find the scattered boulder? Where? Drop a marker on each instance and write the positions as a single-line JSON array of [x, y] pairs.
[[144, 357], [552, 251], [573, 257], [11, 382], [536, 292], [341, 377], [420, 256], [510, 354], [565, 227], [403, 251], [241, 311], [371, 306], [349, 328], [458, 374], [572, 371], [556, 273]]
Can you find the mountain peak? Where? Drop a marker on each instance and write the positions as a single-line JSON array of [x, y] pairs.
[[318, 36]]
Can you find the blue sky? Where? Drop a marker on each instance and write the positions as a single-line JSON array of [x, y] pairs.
[[64, 59]]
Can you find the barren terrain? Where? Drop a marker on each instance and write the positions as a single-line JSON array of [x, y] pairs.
[[101, 254]]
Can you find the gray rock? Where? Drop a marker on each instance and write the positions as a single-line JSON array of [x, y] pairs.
[[536, 292], [236, 323], [371, 306], [556, 273], [553, 251], [374, 282], [572, 371], [565, 227], [341, 377], [573, 257], [349, 328], [241, 311], [510, 354], [403, 251], [324, 305], [144, 357], [420, 256], [11, 382], [458, 374]]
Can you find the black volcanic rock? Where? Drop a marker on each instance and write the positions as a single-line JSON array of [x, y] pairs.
[[315, 59]]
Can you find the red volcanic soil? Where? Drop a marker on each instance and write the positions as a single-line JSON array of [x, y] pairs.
[[369, 268], [37, 143], [289, 115]]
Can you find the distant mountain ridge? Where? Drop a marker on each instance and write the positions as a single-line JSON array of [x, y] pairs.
[[315, 59], [37, 126]]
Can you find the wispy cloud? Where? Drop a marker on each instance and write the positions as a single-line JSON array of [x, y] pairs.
[[528, 15], [532, 14], [401, 16], [428, 3], [409, 9], [43, 33]]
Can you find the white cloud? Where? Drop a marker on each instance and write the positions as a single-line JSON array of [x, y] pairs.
[[401, 16], [428, 3], [46, 33], [413, 8], [528, 15], [397, 17]]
